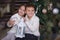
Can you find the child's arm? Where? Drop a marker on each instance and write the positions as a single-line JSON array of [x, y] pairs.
[[10, 23]]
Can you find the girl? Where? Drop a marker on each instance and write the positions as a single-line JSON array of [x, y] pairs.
[[15, 19]]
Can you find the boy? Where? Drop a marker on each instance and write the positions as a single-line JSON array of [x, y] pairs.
[[15, 19], [32, 22]]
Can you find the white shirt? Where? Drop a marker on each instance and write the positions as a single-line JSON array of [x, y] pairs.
[[32, 25], [19, 26], [17, 18]]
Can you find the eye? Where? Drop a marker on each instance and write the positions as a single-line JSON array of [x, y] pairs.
[[32, 10]]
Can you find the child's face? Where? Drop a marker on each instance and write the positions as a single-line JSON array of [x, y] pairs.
[[30, 11], [21, 10]]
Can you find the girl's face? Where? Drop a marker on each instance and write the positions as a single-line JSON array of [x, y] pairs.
[[30, 11], [21, 10]]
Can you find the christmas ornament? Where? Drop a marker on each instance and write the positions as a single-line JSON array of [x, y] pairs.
[[44, 11], [55, 11]]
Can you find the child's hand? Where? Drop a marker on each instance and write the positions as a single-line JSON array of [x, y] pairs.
[[11, 22]]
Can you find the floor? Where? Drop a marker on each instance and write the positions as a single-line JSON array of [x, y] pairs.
[[3, 32]]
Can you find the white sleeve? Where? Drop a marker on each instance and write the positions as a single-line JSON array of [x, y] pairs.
[[10, 19], [33, 27], [13, 29]]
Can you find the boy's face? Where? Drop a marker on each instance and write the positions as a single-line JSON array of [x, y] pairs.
[[21, 10], [30, 11]]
